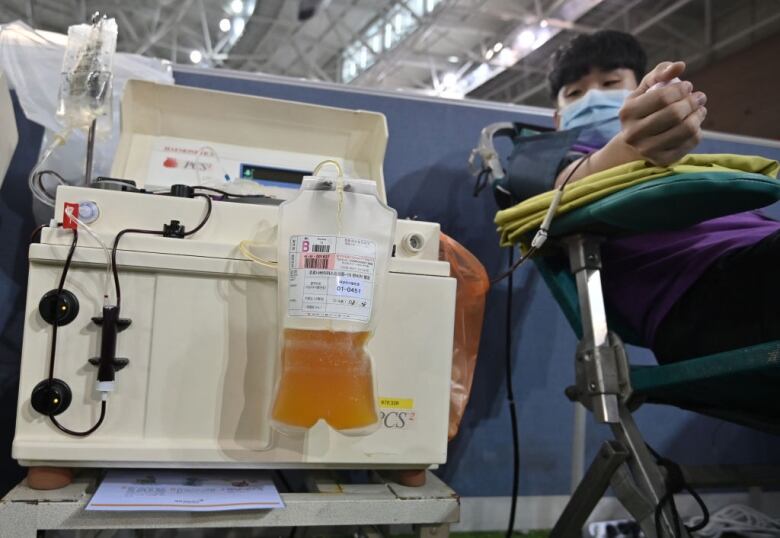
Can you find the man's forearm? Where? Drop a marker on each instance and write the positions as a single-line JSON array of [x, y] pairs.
[[615, 153]]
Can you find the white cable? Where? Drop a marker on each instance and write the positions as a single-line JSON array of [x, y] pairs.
[[36, 186], [541, 236], [225, 175], [243, 246], [107, 281], [738, 519]]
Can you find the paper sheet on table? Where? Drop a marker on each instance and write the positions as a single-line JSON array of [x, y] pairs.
[[185, 491]]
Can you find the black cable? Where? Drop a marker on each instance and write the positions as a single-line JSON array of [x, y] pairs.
[[513, 266], [87, 432], [482, 181], [38, 229], [42, 173], [229, 194], [119, 236], [510, 396], [579, 163], [114, 271], [60, 287], [532, 250], [675, 482], [37, 181], [53, 354], [206, 217], [703, 507]]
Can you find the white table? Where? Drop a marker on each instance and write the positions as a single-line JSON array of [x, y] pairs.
[[430, 508]]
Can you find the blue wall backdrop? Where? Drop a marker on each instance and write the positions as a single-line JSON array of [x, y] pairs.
[[426, 178]]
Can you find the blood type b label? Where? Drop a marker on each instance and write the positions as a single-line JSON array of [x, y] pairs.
[[331, 277]]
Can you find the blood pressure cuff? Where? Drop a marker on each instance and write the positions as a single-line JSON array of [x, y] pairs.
[[536, 160]]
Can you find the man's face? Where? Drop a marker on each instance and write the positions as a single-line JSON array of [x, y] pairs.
[[615, 79]]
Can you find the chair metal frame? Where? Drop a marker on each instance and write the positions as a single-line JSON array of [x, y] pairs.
[[603, 386]]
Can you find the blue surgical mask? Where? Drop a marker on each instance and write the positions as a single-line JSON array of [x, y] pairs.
[[596, 114]]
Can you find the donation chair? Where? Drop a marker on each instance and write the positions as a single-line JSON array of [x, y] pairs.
[[739, 386]]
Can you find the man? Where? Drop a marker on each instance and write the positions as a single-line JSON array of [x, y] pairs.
[[691, 292]]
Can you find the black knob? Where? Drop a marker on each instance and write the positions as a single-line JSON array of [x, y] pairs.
[[182, 191], [51, 397], [59, 308]]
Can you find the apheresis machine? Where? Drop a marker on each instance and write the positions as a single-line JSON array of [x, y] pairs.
[[236, 294]]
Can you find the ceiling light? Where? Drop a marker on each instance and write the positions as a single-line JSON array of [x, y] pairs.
[[453, 59], [498, 46], [489, 54], [449, 80], [452, 93], [544, 23], [507, 57], [541, 38], [237, 6], [526, 39], [196, 56], [224, 25]]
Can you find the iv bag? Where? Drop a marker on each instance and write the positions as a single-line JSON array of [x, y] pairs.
[[86, 75], [335, 243]]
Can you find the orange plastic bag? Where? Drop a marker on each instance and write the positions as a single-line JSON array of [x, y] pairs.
[[473, 284]]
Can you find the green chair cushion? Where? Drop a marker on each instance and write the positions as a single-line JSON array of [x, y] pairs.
[[739, 385], [670, 203]]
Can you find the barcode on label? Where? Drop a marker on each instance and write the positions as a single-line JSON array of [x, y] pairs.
[[320, 248], [318, 262]]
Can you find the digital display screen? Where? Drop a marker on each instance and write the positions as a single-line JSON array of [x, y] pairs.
[[273, 177]]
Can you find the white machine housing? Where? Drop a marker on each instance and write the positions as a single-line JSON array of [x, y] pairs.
[[203, 340], [175, 134]]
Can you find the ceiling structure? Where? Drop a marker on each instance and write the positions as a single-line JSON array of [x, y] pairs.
[[488, 49]]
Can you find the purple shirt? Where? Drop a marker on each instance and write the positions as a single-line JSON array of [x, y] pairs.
[[644, 275]]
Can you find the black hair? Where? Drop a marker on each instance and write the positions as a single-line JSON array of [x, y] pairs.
[[606, 50]]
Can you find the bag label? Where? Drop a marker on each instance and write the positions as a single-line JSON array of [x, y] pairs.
[[331, 277], [397, 413]]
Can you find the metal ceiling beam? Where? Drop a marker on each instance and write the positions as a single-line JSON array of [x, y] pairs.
[[175, 45], [573, 26], [660, 16], [335, 25], [441, 63], [42, 8], [10, 14], [507, 13], [258, 17], [736, 37], [554, 7], [334, 49], [690, 59], [499, 88], [127, 25], [313, 67], [166, 27], [331, 24], [30, 13], [386, 60], [204, 24], [270, 20], [677, 33], [156, 18]]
